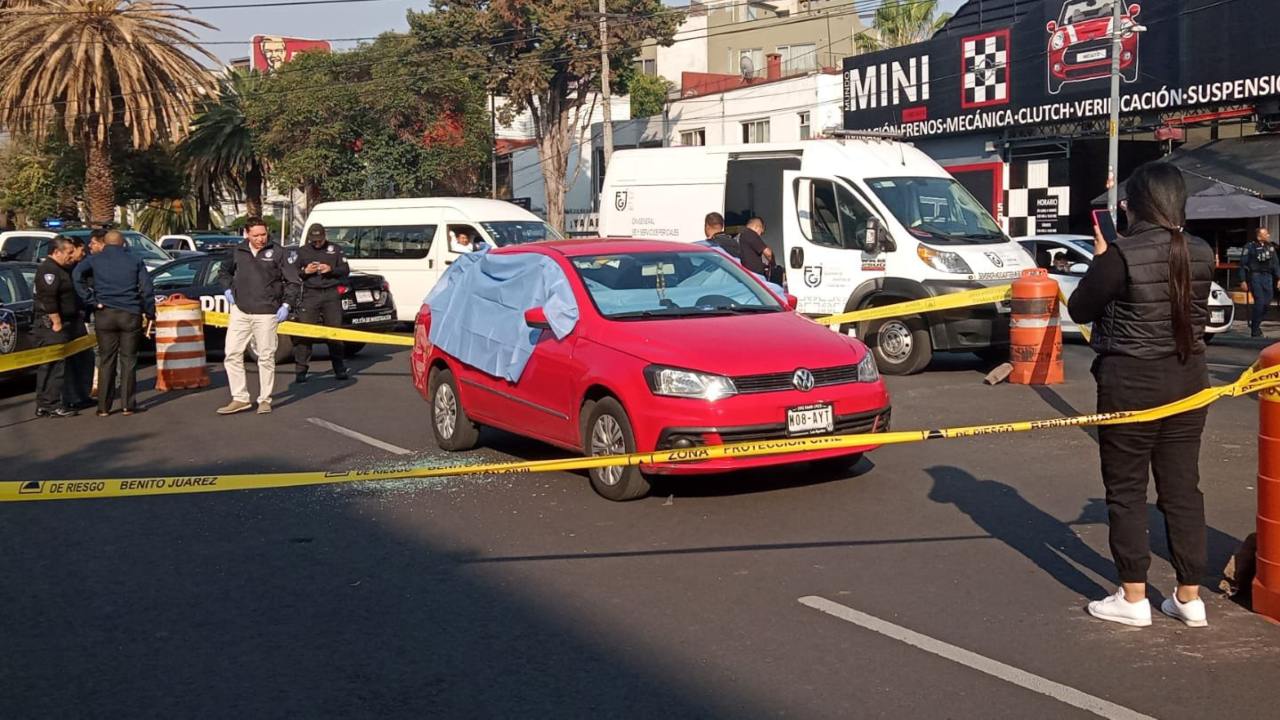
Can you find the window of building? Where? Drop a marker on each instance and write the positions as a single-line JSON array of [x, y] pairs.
[[755, 55], [798, 58], [749, 11], [755, 131], [805, 131], [696, 138], [647, 67]]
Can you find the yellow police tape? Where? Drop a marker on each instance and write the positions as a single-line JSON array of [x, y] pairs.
[[950, 301], [321, 332], [48, 354], [1252, 380]]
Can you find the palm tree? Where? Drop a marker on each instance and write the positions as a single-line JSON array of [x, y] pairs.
[[219, 152], [168, 216], [901, 22], [98, 66]]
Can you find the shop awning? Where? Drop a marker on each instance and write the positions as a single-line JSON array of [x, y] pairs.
[[1252, 163]]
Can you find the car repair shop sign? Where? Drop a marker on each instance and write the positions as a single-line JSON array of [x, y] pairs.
[[1053, 65]]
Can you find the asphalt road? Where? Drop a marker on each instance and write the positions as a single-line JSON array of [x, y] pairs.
[[962, 568]]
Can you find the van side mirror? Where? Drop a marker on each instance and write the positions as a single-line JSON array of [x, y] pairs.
[[878, 239], [536, 318], [797, 257]]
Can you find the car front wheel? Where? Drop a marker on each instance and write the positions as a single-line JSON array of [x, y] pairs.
[[608, 432], [453, 429]]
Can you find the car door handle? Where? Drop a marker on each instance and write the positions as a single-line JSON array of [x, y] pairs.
[[448, 262], [431, 264], [797, 257]]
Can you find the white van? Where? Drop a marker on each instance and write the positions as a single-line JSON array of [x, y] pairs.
[[856, 222], [411, 241]]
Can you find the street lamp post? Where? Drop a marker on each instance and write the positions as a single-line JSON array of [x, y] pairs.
[[1113, 132]]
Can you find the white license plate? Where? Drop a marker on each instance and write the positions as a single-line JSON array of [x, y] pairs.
[[1218, 316], [364, 296], [367, 320], [1091, 56], [810, 420]]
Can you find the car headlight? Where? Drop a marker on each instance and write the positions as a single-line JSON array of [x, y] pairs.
[[867, 370], [1059, 39], [943, 260], [674, 382]]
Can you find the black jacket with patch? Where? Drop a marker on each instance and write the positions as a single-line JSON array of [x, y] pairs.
[[260, 284], [327, 254]]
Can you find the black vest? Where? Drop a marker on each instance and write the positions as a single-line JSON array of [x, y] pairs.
[[1140, 322]]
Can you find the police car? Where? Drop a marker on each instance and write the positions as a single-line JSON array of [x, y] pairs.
[[16, 281], [366, 301]]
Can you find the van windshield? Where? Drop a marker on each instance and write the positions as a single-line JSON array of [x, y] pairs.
[[939, 210], [519, 232]]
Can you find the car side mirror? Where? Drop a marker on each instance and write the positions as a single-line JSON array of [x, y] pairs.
[[536, 318], [878, 239], [797, 258], [1051, 26], [1078, 269], [792, 301]]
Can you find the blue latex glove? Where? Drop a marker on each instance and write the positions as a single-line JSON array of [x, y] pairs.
[[231, 299], [283, 313]]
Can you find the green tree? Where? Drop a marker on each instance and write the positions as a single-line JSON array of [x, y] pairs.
[[901, 22], [649, 95], [168, 216], [92, 67], [219, 152], [544, 57]]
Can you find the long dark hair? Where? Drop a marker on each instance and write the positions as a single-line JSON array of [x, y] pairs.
[[1157, 194]]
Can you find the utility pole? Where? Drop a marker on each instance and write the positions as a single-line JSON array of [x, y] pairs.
[[604, 83], [1113, 147], [493, 148]]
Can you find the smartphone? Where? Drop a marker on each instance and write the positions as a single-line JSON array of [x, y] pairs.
[[1106, 225]]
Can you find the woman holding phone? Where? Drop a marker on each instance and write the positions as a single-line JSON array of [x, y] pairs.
[[1147, 296]]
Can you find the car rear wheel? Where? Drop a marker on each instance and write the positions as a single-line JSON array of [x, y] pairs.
[[453, 429], [608, 432], [902, 345]]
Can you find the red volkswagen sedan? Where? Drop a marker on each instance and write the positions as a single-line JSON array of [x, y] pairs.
[[674, 346]]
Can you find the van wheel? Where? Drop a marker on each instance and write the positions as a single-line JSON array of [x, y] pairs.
[[450, 424], [284, 351], [901, 344], [608, 432]]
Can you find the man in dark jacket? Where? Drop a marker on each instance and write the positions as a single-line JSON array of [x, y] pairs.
[[321, 267], [1261, 270], [56, 310], [260, 286], [121, 297], [756, 256], [713, 227]]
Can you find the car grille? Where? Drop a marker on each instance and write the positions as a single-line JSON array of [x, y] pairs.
[[776, 382], [874, 421]]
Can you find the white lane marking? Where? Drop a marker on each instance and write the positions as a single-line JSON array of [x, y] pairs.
[[359, 436], [994, 668]]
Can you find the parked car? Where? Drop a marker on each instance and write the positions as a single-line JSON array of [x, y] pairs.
[[410, 241], [675, 346], [1080, 43], [33, 245], [366, 302], [1068, 257], [16, 283], [198, 242]]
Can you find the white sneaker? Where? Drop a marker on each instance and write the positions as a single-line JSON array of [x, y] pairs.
[[1192, 613], [1116, 609]]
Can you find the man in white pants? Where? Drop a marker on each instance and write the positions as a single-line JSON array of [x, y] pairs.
[[260, 285]]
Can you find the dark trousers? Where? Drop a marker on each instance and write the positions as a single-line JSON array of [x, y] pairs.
[[1263, 288], [49, 376], [119, 334], [319, 307], [79, 370], [1167, 449]]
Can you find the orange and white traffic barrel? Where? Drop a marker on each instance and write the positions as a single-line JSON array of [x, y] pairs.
[[180, 358], [1035, 336]]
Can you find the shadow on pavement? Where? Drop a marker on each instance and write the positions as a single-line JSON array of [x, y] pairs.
[[294, 603], [1062, 406], [1040, 537]]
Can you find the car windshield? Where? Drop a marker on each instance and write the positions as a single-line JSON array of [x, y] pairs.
[[1081, 10], [519, 232], [641, 286], [939, 210], [139, 244]]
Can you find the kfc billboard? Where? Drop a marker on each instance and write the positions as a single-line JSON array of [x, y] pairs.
[[269, 52]]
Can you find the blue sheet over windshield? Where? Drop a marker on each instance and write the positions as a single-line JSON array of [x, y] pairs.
[[670, 284]]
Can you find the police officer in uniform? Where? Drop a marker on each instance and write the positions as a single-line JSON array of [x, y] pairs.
[[57, 311], [321, 267], [1261, 270]]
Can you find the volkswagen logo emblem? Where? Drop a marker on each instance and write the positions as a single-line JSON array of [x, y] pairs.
[[803, 380]]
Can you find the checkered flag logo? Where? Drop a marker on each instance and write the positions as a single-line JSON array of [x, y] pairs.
[[986, 69]]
